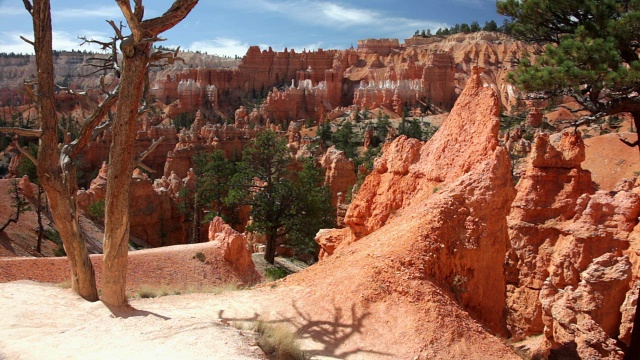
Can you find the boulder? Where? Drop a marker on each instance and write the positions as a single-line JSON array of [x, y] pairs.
[[235, 248]]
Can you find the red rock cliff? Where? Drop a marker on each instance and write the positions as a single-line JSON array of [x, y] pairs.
[[443, 206]]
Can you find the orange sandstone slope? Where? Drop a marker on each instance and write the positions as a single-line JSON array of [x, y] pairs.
[[422, 258]]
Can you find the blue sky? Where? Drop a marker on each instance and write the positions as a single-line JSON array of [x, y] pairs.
[[230, 27]]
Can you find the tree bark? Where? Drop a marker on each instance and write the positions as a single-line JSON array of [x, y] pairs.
[[57, 173], [270, 251], [39, 213], [636, 123], [121, 165], [136, 50]]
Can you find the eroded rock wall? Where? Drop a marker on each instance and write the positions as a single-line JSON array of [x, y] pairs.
[[446, 212], [571, 270]]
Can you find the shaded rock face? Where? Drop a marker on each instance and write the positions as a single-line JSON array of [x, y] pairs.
[[235, 248], [154, 216], [570, 268], [450, 209]]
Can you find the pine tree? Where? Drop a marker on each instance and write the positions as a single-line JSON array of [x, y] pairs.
[[589, 50]]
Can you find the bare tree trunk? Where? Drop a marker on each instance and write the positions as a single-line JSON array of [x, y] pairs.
[[39, 209], [121, 165], [56, 174], [136, 50], [195, 236], [270, 251]]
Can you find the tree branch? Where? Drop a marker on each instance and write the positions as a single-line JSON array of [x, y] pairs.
[[26, 153], [144, 167], [170, 56], [92, 122], [27, 41], [153, 146], [36, 133], [132, 20], [28, 6], [178, 11], [118, 30]]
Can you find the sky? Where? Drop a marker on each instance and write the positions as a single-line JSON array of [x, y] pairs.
[[229, 27]]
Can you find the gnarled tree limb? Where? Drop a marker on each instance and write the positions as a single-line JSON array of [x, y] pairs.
[[178, 11], [36, 133], [132, 20], [92, 122], [26, 153]]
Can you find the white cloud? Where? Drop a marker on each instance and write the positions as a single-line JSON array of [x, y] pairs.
[[221, 46], [103, 12], [62, 40], [348, 16], [333, 15], [8, 10]]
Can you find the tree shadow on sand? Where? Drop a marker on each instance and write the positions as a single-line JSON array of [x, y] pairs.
[[331, 332], [127, 311]]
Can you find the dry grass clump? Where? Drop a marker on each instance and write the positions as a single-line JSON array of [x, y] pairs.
[[278, 342], [153, 291], [65, 284]]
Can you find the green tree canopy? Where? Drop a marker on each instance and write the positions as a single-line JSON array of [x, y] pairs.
[[346, 139], [490, 26], [587, 49], [283, 203]]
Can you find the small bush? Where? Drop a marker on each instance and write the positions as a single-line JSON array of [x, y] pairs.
[[200, 256], [96, 210], [65, 284], [54, 235], [278, 342], [147, 292], [275, 273]]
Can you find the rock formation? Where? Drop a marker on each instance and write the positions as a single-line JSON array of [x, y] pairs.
[[340, 173], [570, 270], [451, 210], [154, 216], [235, 248], [221, 88]]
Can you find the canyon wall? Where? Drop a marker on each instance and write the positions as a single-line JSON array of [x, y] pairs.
[[380, 73]]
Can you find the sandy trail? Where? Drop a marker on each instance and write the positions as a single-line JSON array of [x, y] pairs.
[[176, 327]]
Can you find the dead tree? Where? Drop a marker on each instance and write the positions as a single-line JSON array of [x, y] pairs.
[[136, 51], [55, 162]]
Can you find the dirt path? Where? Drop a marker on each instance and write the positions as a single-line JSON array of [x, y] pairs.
[[69, 328]]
